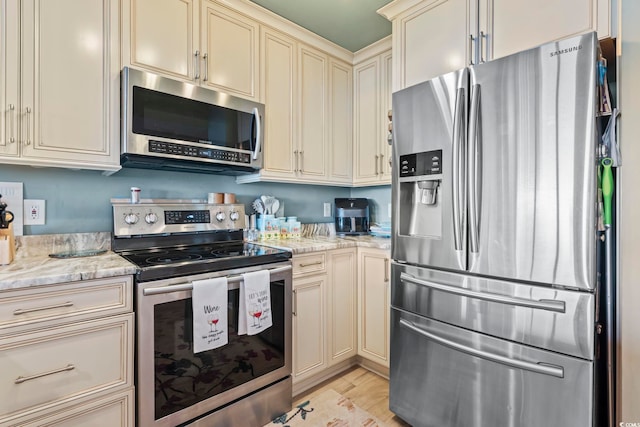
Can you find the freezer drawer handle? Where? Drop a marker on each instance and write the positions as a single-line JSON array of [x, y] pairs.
[[539, 368], [189, 286], [557, 306]]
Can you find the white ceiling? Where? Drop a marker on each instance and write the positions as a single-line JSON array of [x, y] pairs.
[[352, 24]]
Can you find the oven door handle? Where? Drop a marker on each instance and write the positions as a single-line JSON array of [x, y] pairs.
[[189, 286]]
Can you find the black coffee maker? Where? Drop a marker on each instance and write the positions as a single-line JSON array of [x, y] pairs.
[[352, 217]]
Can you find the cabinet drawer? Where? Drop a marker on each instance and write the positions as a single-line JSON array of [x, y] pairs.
[[115, 410], [64, 303], [311, 263], [57, 365]]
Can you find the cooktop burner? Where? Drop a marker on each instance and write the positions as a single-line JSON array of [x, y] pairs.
[[187, 260]]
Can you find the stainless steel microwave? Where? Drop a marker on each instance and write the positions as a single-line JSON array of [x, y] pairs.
[[173, 125]]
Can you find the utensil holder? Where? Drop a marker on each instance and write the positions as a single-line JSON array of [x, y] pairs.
[[7, 245]]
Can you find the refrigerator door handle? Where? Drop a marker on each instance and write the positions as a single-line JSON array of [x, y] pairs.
[[473, 167], [538, 368], [458, 169], [549, 305]]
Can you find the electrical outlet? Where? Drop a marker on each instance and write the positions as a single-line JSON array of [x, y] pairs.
[[327, 209], [34, 212]]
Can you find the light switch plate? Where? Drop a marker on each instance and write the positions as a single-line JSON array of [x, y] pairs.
[[12, 195], [327, 209]]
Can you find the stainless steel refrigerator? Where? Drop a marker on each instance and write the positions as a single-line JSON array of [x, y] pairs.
[[497, 316]]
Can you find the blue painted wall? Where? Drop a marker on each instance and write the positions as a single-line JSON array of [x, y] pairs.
[[79, 201]]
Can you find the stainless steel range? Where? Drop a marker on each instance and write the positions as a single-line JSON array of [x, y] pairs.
[[177, 242]]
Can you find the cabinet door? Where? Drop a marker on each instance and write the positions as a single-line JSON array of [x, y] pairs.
[[9, 76], [230, 51], [511, 26], [70, 83], [340, 121], [373, 305], [161, 36], [341, 306], [366, 121], [433, 39], [312, 113], [309, 332], [386, 65], [278, 86]]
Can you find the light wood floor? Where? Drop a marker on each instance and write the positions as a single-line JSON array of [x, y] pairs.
[[364, 388]]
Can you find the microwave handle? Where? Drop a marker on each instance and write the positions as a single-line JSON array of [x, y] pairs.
[[256, 115]]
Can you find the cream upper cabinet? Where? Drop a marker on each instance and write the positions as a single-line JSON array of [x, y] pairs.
[[312, 113], [60, 83], [341, 305], [279, 85], [162, 36], [372, 102], [230, 51], [434, 37], [340, 121], [9, 77], [373, 305], [198, 41], [509, 26]]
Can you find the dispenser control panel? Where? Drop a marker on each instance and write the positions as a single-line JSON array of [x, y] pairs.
[[420, 164]]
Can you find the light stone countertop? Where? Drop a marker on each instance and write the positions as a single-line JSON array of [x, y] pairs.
[[33, 266], [327, 243]]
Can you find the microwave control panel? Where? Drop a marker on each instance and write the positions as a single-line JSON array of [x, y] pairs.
[[421, 164], [184, 150]]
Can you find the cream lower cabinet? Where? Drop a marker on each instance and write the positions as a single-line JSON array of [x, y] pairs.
[[434, 37], [373, 305], [324, 306], [341, 305], [60, 83], [67, 354], [309, 318], [198, 41]]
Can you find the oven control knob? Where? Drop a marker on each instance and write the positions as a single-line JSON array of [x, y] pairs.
[[220, 216], [131, 218], [234, 216], [151, 218]]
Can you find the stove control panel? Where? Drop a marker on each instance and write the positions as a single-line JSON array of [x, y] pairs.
[[162, 217]]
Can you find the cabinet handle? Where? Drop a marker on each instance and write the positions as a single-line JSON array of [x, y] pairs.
[[205, 58], [381, 164], [482, 46], [11, 113], [295, 157], [301, 159], [295, 302], [196, 60], [311, 263], [386, 269], [28, 114], [22, 379], [48, 307], [471, 39], [377, 164]]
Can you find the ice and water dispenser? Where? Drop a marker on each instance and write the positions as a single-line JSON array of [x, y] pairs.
[[421, 194]]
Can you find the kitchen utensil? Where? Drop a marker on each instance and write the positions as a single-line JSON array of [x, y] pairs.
[[275, 206], [78, 254], [268, 204], [258, 206]]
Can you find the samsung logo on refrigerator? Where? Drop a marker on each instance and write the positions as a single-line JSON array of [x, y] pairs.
[[567, 50]]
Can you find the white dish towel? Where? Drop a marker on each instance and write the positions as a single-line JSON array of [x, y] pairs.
[[209, 305], [255, 303]]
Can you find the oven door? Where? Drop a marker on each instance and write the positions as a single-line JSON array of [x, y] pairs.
[[174, 385]]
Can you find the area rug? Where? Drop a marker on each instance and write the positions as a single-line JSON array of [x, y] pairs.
[[328, 409]]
